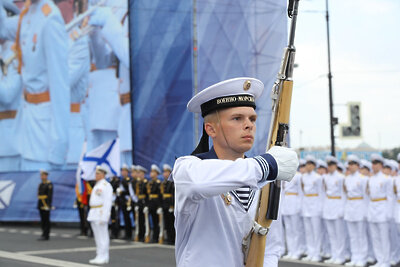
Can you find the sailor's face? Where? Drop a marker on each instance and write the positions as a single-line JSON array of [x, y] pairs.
[[236, 129]]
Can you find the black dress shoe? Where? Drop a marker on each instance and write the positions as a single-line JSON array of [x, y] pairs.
[[43, 238]]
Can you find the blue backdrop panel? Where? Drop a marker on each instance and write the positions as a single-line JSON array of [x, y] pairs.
[[161, 52], [22, 206], [242, 38]]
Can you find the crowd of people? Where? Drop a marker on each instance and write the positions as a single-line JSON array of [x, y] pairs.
[[346, 214], [61, 61]]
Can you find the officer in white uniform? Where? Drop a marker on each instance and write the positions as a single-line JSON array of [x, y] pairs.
[[379, 189], [322, 169], [390, 171], [216, 190], [114, 30], [311, 208], [10, 105], [41, 45], [333, 211], [99, 215], [355, 212], [290, 208]]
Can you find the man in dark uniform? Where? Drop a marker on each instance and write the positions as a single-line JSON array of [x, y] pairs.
[[45, 196], [126, 200], [167, 192], [154, 203], [141, 193], [115, 183]]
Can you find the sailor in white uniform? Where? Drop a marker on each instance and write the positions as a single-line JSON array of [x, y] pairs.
[[390, 171], [216, 189], [99, 215], [379, 190], [355, 212], [366, 171], [333, 211], [311, 208], [290, 208]]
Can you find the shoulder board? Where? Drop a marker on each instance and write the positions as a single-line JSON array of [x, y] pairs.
[[158, 181], [362, 175], [46, 9], [145, 181]]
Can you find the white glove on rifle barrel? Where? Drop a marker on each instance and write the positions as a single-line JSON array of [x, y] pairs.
[[287, 162]]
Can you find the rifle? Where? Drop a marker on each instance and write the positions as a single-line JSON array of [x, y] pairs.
[[254, 243]]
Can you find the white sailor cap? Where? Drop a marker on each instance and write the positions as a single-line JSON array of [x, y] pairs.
[[341, 166], [154, 167], [302, 162], [141, 168], [125, 167], [366, 164], [310, 158], [133, 167], [353, 158], [44, 171], [395, 165], [237, 92], [100, 168], [243, 91], [387, 163], [321, 164], [167, 167], [331, 159], [376, 157]]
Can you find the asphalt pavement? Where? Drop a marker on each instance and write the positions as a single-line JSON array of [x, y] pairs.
[[19, 247]]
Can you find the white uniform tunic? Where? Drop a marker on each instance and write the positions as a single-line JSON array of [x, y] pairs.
[[397, 201], [333, 205], [99, 215], [208, 231], [380, 190], [312, 189], [355, 207]]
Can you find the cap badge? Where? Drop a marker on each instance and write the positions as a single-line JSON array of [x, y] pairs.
[[247, 85]]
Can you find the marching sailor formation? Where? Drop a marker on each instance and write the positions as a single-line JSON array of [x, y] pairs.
[[344, 215]]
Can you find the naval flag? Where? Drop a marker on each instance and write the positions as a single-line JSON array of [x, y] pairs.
[[106, 155]]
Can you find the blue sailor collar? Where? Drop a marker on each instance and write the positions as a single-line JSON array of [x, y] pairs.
[[209, 155]]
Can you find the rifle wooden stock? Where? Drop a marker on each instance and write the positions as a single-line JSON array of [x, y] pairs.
[[257, 246]]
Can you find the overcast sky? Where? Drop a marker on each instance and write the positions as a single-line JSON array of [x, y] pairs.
[[365, 63]]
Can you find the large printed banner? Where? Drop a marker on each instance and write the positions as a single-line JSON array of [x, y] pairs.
[[18, 196]]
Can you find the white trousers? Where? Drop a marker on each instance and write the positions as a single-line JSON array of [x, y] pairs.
[[394, 242], [312, 227], [381, 242], [102, 239], [358, 241], [337, 238], [292, 234]]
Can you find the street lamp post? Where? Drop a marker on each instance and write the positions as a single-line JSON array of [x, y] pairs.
[[333, 121]]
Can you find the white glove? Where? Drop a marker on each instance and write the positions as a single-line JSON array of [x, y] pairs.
[[136, 208], [99, 16], [287, 162], [118, 191], [145, 210], [159, 211]]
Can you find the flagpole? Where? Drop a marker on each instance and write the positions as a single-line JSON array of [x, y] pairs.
[[131, 76]]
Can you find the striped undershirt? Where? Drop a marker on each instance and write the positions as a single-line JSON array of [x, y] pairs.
[[245, 196]]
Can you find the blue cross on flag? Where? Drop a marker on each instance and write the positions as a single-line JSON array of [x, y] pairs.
[[106, 155]]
